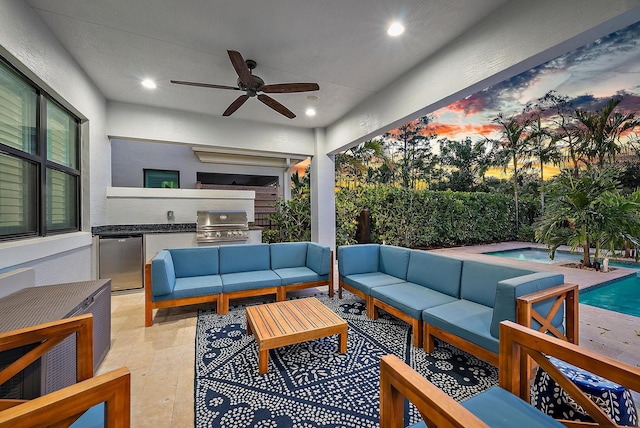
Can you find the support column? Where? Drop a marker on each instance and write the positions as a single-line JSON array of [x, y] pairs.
[[323, 204], [286, 182]]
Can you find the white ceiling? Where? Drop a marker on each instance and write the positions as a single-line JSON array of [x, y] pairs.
[[340, 44]]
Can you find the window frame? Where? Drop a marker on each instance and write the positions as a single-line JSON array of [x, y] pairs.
[[167, 171], [39, 158]]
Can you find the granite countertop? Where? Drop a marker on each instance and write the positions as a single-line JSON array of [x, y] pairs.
[[139, 229]]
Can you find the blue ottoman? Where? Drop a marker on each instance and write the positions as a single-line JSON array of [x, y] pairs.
[[613, 399]]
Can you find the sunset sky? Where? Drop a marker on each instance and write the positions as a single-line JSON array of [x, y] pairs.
[[590, 76]]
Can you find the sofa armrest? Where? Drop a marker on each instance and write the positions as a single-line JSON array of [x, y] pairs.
[[508, 291], [565, 294], [355, 259], [163, 275], [319, 258], [398, 380]]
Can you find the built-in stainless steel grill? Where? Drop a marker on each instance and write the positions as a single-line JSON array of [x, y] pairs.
[[219, 226]]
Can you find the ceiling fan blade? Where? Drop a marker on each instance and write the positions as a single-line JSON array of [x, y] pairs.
[[276, 106], [204, 85], [241, 68], [283, 88], [235, 105]]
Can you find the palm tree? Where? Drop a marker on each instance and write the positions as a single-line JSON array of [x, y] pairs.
[[576, 214], [355, 161], [602, 131], [511, 149], [542, 145], [619, 221]]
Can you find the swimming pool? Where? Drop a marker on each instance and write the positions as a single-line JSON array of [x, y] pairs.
[[622, 295]]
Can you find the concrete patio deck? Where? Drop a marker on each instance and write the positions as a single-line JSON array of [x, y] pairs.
[[610, 333]]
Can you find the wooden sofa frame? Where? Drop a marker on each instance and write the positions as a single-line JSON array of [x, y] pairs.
[[222, 299], [518, 344], [565, 295], [63, 407]]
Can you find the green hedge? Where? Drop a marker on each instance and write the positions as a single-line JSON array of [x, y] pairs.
[[412, 218]]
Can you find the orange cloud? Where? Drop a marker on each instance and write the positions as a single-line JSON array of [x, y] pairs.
[[472, 104], [455, 130]]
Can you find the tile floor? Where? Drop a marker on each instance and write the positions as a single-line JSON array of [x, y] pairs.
[[161, 357]]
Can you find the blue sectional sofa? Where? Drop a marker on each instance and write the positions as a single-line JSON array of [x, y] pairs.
[[459, 301], [186, 276]]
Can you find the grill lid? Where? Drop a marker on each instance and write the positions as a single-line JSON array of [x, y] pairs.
[[222, 218]]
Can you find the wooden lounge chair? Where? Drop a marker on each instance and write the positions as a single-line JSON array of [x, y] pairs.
[[64, 407], [502, 405]]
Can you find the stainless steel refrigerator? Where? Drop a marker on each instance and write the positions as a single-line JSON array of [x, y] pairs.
[[121, 260]]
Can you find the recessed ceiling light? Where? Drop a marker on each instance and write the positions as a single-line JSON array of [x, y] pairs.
[[310, 112], [395, 29], [149, 84]]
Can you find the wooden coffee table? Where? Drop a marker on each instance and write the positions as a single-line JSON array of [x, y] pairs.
[[292, 321]]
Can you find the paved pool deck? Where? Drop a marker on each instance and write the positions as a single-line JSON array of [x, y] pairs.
[[609, 333]]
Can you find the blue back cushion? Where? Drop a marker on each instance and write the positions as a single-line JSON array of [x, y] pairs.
[[244, 258], [288, 255], [394, 261], [480, 280], [163, 276], [439, 273], [319, 258], [355, 259], [195, 261]]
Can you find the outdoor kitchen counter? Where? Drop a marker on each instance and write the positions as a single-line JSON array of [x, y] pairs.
[[139, 229]]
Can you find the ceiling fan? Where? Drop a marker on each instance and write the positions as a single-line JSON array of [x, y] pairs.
[[252, 85]]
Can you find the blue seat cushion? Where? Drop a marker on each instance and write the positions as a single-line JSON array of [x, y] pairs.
[[480, 280], [394, 261], [465, 319], [410, 298], [435, 271], [244, 258], [296, 275], [195, 261], [288, 254], [366, 281], [355, 259], [92, 418], [193, 286], [499, 408], [240, 281]]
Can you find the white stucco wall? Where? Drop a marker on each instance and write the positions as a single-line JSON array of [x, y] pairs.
[[27, 43], [520, 36], [135, 122]]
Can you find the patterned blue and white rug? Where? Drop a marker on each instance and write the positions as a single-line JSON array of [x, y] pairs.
[[311, 384]]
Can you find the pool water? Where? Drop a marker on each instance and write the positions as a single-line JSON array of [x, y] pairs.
[[622, 295]]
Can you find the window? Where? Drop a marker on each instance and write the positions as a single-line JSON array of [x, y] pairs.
[[162, 178], [39, 161]]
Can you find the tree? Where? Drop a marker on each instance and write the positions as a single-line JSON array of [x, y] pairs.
[[355, 162], [563, 127], [412, 142], [575, 213], [601, 132], [470, 161], [511, 150], [542, 145]]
